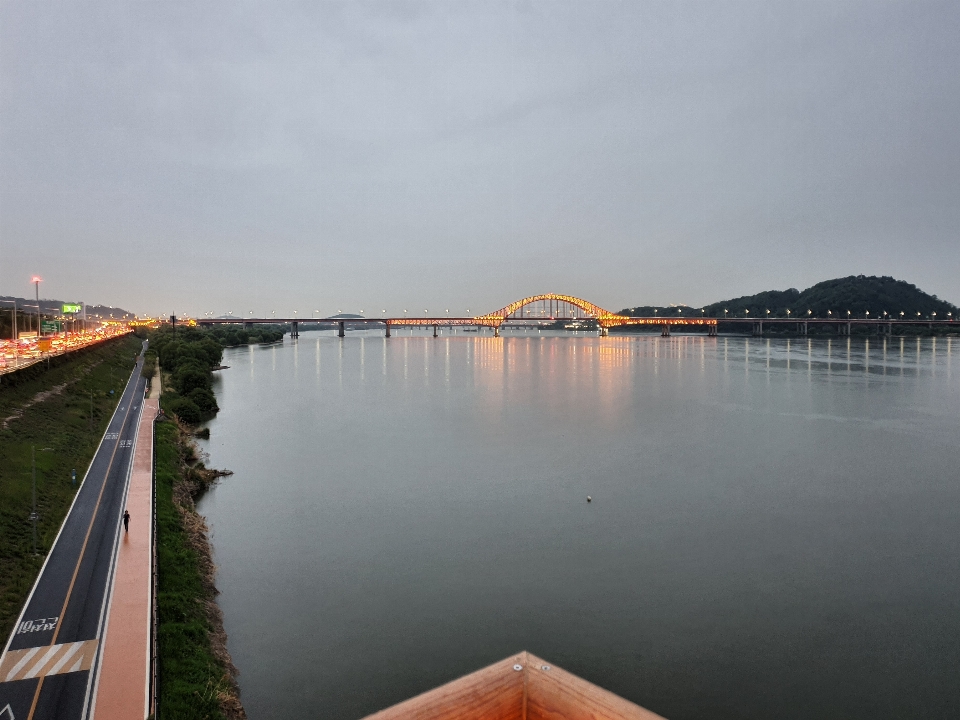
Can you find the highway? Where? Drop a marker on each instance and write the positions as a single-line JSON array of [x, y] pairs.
[[49, 664]]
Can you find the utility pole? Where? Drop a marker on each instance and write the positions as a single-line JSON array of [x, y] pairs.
[[33, 515], [36, 282]]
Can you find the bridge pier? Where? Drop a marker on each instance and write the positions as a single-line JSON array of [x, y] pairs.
[[340, 329], [665, 330], [434, 330], [604, 331], [758, 329], [295, 329], [804, 328], [388, 329], [712, 330]]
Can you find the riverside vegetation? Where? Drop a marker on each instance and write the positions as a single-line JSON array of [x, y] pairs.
[[61, 412], [197, 679]]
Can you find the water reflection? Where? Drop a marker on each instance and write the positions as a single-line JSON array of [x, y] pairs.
[[750, 495]]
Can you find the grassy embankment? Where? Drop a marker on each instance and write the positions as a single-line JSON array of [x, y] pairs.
[[197, 677], [196, 674], [50, 409]]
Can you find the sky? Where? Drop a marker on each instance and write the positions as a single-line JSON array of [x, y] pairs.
[[219, 157]]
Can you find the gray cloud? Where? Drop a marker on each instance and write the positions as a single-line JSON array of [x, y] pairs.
[[238, 156]]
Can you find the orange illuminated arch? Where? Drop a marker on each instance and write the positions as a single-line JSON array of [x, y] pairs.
[[589, 308], [604, 318]]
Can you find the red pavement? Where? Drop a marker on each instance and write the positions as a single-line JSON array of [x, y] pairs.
[[124, 679]]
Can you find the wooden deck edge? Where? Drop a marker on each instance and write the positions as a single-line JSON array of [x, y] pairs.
[[553, 692], [492, 693], [520, 687]]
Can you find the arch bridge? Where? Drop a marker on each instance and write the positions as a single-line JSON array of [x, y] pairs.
[[536, 309], [562, 307]]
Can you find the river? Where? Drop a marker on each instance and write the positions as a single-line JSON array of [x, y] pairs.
[[774, 529]]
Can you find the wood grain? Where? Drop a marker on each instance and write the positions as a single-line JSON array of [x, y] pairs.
[[540, 691], [493, 693], [555, 694]]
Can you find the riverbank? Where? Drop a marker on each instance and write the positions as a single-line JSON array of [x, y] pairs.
[[57, 416], [197, 678]]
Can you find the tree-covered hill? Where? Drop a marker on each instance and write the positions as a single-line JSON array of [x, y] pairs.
[[858, 293]]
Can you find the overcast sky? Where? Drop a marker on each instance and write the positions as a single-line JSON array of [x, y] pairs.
[[218, 156]]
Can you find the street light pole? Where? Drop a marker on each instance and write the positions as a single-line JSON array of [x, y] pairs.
[[33, 515], [36, 282]]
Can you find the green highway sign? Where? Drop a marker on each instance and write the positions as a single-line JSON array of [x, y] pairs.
[[70, 309], [49, 326]]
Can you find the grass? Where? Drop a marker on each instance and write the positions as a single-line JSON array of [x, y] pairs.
[[65, 435], [194, 683]]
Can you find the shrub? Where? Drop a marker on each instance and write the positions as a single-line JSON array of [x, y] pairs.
[[204, 400], [185, 409], [191, 377]]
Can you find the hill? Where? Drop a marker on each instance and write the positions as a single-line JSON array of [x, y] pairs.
[[857, 293]]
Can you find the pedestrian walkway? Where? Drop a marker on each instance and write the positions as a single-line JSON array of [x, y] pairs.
[[123, 685]]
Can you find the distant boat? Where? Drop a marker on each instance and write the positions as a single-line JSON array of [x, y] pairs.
[[522, 686]]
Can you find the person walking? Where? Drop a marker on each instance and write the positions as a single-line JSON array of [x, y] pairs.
[[126, 521]]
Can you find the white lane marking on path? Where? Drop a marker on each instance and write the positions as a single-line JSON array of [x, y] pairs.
[[23, 661], [46, 656], [53, 660], [66, 656]]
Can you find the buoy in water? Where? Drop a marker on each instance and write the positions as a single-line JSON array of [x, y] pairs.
[[589, 499]]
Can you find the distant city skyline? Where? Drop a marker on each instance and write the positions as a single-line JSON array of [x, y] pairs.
[[356, 156]]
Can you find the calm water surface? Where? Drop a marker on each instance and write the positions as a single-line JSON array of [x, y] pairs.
[[774, 532]]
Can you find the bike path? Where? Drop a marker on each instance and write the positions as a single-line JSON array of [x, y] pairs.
[[123, 683], [45, 670]]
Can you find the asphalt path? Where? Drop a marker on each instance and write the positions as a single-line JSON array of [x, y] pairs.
[[48, 666]]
